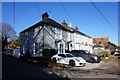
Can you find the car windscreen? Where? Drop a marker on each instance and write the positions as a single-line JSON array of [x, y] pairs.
[[69, 55], [62, 55]]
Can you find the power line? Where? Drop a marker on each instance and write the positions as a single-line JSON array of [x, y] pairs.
[[14, 17], [37, 7], [67, 12], [14, 14], [103, 16], [95, 15]]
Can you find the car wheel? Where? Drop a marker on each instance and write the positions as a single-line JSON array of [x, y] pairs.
[[92, 60], [54, 60], [72, 63], [118, 57]]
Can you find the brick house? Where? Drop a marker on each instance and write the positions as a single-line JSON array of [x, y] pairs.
[[102, 41]]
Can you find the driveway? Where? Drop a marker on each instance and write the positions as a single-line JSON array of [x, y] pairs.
[[91, 70]]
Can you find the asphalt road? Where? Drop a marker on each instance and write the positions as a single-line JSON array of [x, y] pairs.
[[15, 68]]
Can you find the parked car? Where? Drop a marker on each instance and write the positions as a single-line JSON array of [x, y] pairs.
[[92, 58], [7, 52], [17, 52], [68, 59], [116, 53]]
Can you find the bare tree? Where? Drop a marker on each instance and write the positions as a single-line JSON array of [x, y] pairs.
[[7, 32]]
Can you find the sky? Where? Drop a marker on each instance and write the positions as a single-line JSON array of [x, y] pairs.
[[81, 14]]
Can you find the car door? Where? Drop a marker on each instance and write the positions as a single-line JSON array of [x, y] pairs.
[[75, 53], [62, 58], [84, 55]]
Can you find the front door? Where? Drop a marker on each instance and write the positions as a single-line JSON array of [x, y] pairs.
[[61, 47]]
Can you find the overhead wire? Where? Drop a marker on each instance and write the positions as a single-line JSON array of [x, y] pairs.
[[67, 12], [37, 7], [103, 16], [95, 15], [14, 14], [14, 22]]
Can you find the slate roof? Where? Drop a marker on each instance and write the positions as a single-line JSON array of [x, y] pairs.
[[46, 21], [34, 26], [73, 30], [54, 24]]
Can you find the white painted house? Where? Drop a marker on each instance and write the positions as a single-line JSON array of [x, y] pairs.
[[78, 40], [48, 34]]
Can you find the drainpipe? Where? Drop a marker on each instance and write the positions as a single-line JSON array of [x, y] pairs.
[[43, 37]]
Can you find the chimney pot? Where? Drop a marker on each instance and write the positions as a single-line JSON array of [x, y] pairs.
[[76, 28], [45, 16], [64, 23]]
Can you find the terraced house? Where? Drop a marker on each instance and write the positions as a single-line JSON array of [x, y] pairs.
[[48, 34]]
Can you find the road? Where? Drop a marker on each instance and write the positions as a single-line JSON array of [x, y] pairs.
[[15, 68]]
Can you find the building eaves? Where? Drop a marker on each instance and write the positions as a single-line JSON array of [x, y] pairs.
[[34, 26], [54, 23], [81, 33], [47, 21]]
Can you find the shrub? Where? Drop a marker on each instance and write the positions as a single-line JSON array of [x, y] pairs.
[[105, 53], [67, 51], [48, 53]]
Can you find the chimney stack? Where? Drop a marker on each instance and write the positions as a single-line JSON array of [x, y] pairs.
[[76, 28], [64, 23], [45, 16]]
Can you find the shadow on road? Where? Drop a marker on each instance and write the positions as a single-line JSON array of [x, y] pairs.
[[14, 68]]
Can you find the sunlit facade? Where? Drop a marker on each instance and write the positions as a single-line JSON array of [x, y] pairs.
[[48, 34]]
